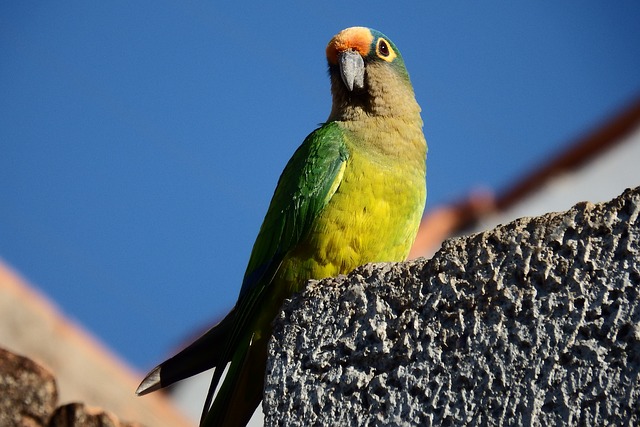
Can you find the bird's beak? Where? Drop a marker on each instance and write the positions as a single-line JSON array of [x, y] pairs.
[[351, 69]]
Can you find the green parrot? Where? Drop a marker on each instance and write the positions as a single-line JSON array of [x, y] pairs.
[[352, 193]]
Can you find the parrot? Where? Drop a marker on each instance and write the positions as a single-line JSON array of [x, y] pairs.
[[352, 193]]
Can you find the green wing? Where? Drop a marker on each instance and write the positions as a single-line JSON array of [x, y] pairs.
[[306, 185]]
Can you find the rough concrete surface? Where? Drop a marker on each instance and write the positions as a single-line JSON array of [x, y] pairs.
[[533, 323]]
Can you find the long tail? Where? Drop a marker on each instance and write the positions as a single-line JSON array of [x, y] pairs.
[[243, 385], [204, 353]]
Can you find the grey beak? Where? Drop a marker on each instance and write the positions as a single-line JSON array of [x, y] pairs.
[[351, 69]]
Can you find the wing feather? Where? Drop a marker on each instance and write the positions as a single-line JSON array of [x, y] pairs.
[[305, 187]]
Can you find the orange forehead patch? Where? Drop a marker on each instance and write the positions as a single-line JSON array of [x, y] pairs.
[[356, 38]]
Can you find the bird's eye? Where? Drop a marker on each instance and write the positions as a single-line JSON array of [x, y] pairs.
[[384, 50]]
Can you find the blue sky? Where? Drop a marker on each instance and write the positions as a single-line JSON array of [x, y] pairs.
[[141, 141]]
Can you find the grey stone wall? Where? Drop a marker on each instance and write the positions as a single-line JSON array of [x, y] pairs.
[[536, 322]]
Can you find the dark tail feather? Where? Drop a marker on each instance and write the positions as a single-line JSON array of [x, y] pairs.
[[212, 389], [204, 353], [243, 385]]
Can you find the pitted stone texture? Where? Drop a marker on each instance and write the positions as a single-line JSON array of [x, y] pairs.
[[533, 323]]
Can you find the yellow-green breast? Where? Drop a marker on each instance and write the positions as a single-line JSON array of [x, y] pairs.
[[375, 212]]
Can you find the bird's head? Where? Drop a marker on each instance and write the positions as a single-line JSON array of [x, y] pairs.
[[367, 72]]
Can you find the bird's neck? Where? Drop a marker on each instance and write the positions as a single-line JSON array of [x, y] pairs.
[[386, 95], [400, 138], [383, 119]]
